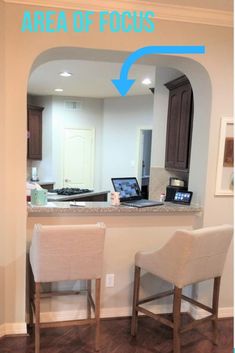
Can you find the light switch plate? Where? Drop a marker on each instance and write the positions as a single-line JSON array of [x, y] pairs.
[[109, 280]]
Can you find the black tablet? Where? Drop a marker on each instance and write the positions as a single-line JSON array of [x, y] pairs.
[[183, 197]]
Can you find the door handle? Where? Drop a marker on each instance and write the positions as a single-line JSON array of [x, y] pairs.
[[67, 180]]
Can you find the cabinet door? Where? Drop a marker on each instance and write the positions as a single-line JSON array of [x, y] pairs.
[[35, 132], [179, 124], [184, 128], [172, 129]]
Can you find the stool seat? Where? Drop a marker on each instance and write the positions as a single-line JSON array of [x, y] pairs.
[[66, 253], [189, 257]]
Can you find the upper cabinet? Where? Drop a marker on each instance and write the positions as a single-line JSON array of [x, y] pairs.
[[179, 124], [34, 126]]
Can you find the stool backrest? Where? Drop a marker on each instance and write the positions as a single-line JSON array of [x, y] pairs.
[[67, 252], [197, 255]]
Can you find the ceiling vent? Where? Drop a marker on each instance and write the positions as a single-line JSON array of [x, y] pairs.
[[72, 105]]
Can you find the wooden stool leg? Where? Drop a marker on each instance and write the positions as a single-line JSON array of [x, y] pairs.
[[97, 314], [88, 296], [215, 307], [37, 317], [135, 301], [176, 319], [31, 297]]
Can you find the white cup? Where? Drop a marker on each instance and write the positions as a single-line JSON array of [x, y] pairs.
[[115, 198]]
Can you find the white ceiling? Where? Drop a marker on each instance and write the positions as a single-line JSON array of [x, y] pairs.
[[89, 78]]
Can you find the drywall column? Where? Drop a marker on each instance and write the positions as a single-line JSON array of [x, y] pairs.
[[14, 207], [2, 113]]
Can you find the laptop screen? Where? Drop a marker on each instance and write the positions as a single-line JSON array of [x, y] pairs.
[[128, 187]]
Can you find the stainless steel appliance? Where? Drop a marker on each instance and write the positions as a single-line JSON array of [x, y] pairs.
[[176, 182], [175, 185]]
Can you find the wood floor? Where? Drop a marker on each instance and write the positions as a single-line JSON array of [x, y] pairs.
[[115, 338]]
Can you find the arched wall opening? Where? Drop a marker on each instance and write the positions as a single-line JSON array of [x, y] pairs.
[[200, 81], [201, 86]]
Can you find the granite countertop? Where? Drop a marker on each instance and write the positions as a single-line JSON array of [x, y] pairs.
[[55, 209], [54, 197]]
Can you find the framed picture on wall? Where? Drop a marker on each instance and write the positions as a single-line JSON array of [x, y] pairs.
[[225, 172]]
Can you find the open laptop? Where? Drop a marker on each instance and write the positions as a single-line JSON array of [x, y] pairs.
[[130, 194]]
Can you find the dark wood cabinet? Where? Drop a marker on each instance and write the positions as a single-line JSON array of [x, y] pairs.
[[47, 186], [95, 196], [179, 124], [34, 126]]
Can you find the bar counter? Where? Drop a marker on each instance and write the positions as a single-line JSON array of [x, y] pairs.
[[128, 230], [105, 209]]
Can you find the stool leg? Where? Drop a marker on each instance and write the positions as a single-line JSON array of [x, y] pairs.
[[176, 319], [215, 307], [135, 301], [31, 297], [97, 314], [88, 296], [37, 317]]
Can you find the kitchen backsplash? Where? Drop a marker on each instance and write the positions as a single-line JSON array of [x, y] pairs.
[[159, 179]]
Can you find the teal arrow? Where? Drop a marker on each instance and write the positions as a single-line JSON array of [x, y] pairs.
[[123, 84]]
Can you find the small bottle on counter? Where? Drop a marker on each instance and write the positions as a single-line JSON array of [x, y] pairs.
[[162, 197], [115, 198]]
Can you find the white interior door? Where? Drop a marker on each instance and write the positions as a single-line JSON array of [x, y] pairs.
[[140, 155], [78, 164], [144, 153]]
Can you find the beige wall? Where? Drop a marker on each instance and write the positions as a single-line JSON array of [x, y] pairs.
[[22, 50], [2, 176]]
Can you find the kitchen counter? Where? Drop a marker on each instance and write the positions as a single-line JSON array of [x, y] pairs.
[[88, 196], [104, 208]]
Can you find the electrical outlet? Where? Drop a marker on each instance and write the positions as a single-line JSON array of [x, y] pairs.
[[109, 280]]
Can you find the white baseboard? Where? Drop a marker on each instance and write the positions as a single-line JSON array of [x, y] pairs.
[[17, 328], [62, 315], [2, 330], [226, 312], [20, 328], [105, 313], [198, 313], [127, 311]]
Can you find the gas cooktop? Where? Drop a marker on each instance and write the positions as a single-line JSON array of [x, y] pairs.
[[70, 191]]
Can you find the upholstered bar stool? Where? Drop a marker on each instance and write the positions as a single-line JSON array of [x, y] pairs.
[[65, 253], [188, 257]]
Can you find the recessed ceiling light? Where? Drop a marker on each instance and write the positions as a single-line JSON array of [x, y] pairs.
[[65, 74], [58, 90], [146, 81]]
